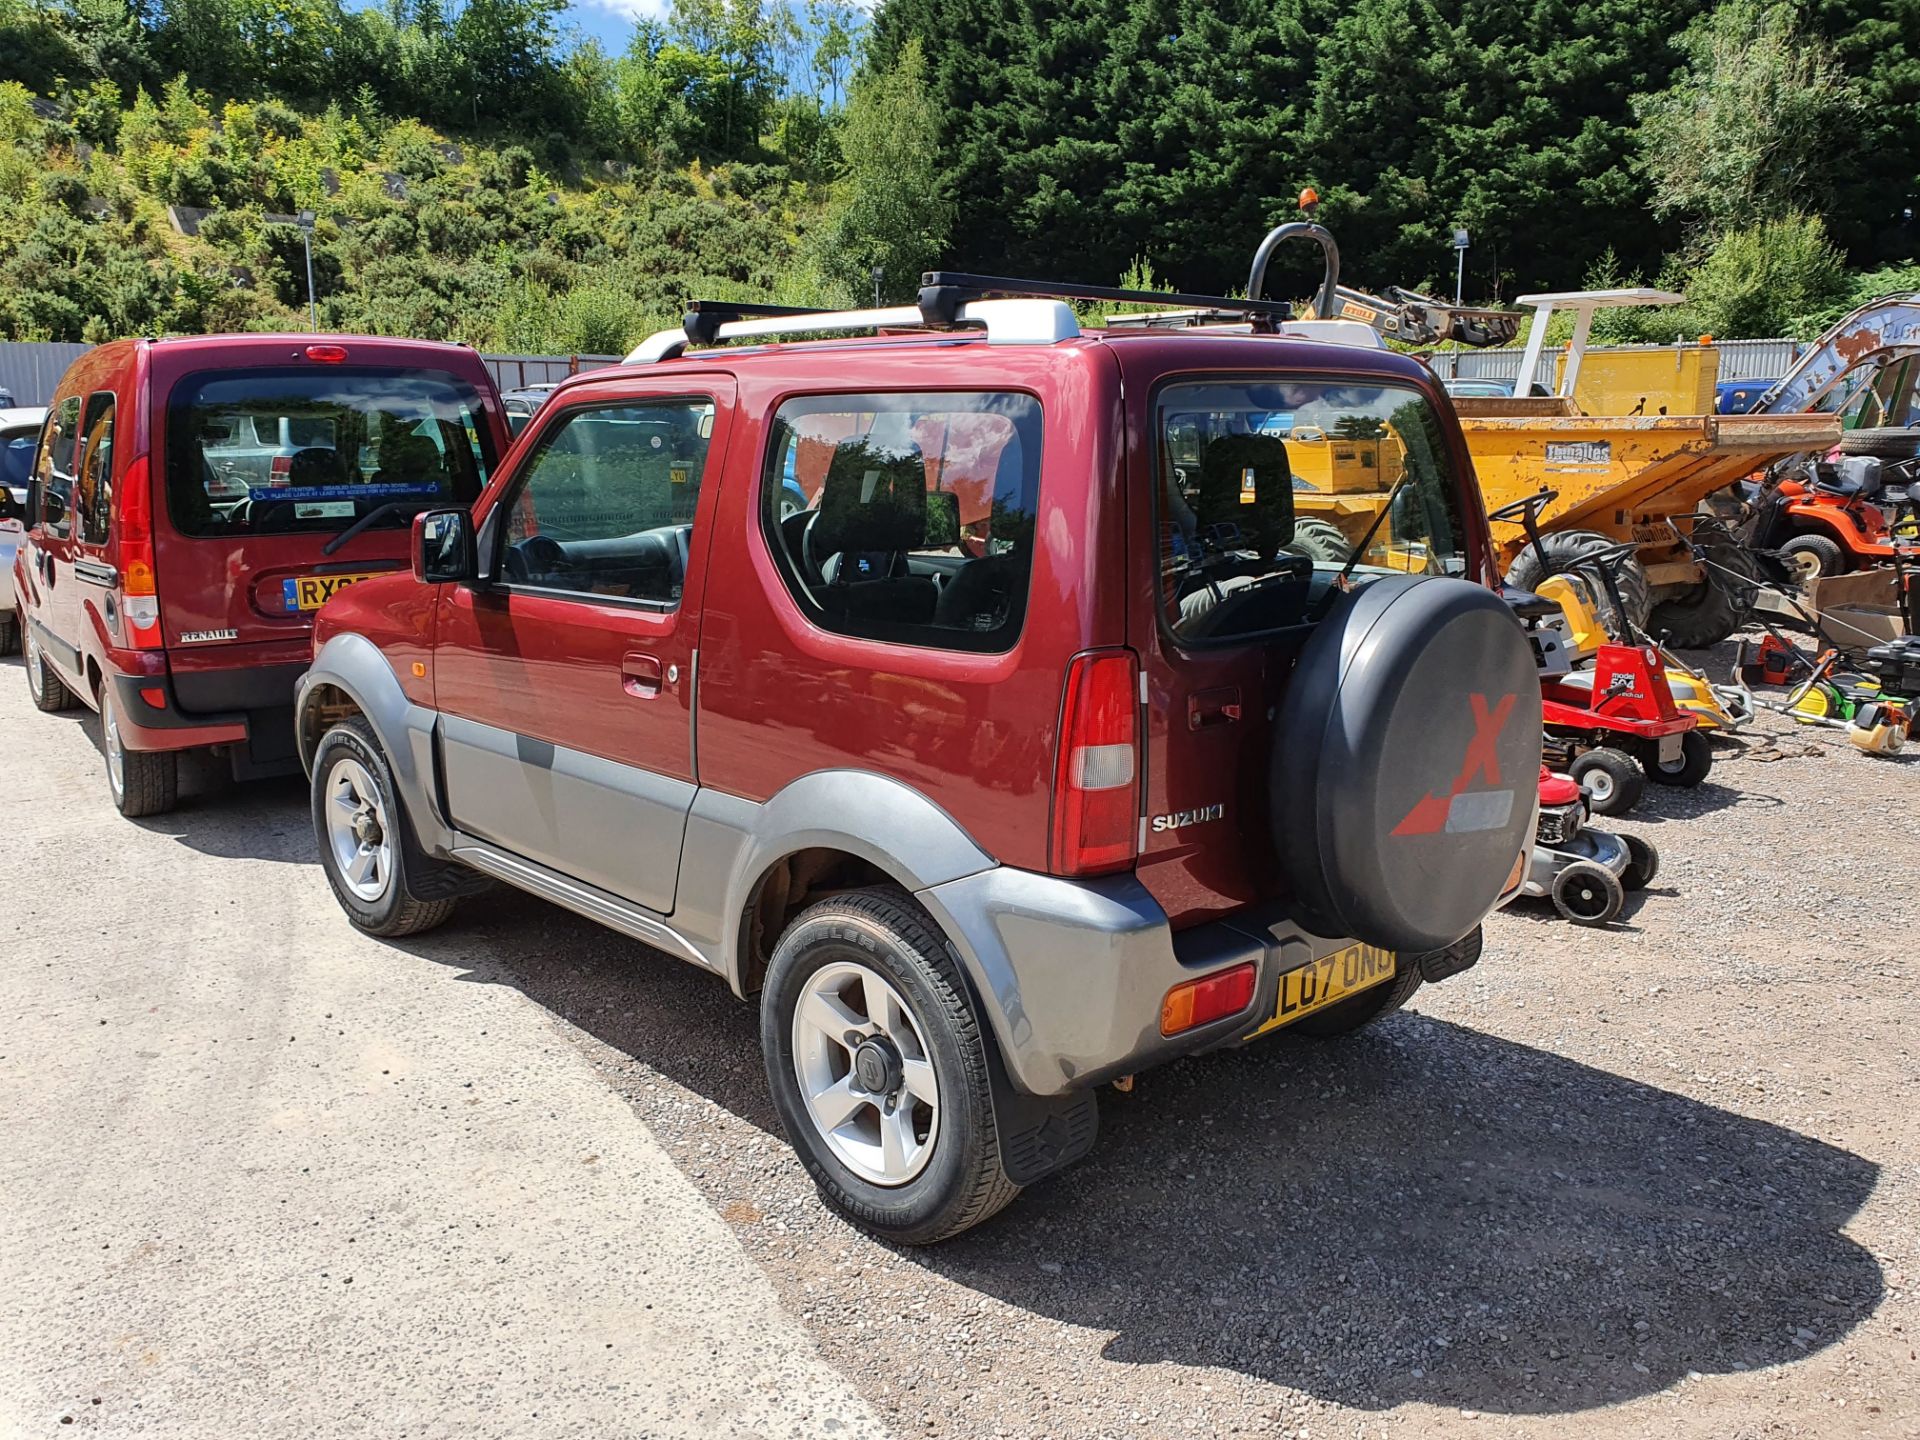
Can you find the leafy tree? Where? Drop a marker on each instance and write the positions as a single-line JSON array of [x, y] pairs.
[[890, 208], [1743, 132]]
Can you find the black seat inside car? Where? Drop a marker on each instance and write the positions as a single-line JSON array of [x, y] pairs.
[[873, 513]]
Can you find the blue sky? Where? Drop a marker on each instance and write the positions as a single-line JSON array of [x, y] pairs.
[[611, 21]]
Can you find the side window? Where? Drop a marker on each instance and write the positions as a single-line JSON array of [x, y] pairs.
[[94, 488], [56, 469], [606, 505], [907, 518]]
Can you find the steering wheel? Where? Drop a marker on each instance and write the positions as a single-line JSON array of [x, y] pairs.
[[538, 554], [1518, 509]]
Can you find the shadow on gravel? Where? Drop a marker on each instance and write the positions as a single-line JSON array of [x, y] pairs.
[[1429, 1213], [1420, 1213], [234, 820]]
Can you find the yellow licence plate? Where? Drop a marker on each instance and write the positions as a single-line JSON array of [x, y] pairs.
[[1330, 979], [310, 592]]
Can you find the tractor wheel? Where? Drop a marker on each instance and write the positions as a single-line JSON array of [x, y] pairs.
[[1320, 541], [1888, 442], [1713, 609], [1813, 556], [1565, 550]]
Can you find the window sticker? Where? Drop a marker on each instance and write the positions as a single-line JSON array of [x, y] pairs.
[[340, 492]]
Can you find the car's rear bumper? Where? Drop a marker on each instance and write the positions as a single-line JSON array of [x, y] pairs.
[[250, 711], [1072, 974]]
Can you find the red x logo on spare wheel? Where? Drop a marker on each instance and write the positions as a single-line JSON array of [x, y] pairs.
[[1461, 811]]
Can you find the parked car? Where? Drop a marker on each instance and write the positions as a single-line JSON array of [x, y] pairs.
[[1740, 397], [172, 564], [19, 432], [521, 404], [1021, 759]]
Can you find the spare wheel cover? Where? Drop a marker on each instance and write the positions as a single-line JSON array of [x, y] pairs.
[[1406, 761]]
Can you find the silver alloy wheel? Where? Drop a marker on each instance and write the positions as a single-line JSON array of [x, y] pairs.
[[33, 663], [865, 1073], [116, 752], [357, 830]]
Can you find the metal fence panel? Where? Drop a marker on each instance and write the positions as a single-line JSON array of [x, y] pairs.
[[31, 369], [1739, 360], [516, 372]]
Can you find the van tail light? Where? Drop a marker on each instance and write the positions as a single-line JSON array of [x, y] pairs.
[[139, 597], [1096, 781], [327, 354], [1200, 1002], [281, 469]]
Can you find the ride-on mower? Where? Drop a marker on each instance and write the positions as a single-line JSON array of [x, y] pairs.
[[1615, 722], [1830, 517]]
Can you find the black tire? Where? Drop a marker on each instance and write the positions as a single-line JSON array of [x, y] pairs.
[[1616, 782], [1822, 556], [397, 910], [1693, 766], [1366, 1007], [9, 634], [1319, 540], [1643, 863], [49, 691], [1887, 442], [1713, 609], [963, 1181], [1564, 549], [1588, 894], [148, 781]]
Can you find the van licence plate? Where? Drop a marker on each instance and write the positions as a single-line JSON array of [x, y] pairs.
[[1328, 980], [310, 592]]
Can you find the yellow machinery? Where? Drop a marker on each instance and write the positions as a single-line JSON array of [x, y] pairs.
[[1634, 473]]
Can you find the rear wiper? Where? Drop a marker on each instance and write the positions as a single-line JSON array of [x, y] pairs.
[[379, 512]]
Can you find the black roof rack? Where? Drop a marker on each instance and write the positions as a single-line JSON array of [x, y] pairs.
[[705, 317], [943, 292]]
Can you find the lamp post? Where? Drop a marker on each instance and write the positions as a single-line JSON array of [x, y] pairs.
[[879, 274], [305, 221], [1461, 240]]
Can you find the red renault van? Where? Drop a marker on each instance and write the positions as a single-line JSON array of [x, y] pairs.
[[194, 501]]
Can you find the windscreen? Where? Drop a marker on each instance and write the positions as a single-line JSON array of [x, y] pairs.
[[16, 455], [272, 452], [1276, 494]]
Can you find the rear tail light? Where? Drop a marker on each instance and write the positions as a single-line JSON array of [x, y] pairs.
[[1201, 1002], [1097, 773], [281, 469], [139, 596], [327, 354]]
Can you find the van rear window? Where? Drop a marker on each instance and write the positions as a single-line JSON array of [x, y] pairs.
[[275, 452]]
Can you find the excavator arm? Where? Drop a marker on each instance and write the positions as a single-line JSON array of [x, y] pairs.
[[1878, 333]]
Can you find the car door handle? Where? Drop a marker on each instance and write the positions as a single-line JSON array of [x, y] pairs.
[[640, 675]]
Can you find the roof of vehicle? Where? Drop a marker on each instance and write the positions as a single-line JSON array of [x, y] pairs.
[[225, 342], [1172, 350], [22, 415]]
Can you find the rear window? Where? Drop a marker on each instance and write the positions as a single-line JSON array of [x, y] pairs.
[[1275, 494], [272, 452], [907, 517]]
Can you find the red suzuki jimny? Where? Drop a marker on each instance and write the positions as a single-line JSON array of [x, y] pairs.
[[1033, 749]]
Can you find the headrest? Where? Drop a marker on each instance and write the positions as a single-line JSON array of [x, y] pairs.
[[314, 466], [1246, 482], [874, 498]]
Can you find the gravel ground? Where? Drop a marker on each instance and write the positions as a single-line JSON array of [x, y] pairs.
[[1654, 1180]]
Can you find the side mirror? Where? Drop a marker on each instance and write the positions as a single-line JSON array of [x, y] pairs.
[[444, 551], [56, 507]]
